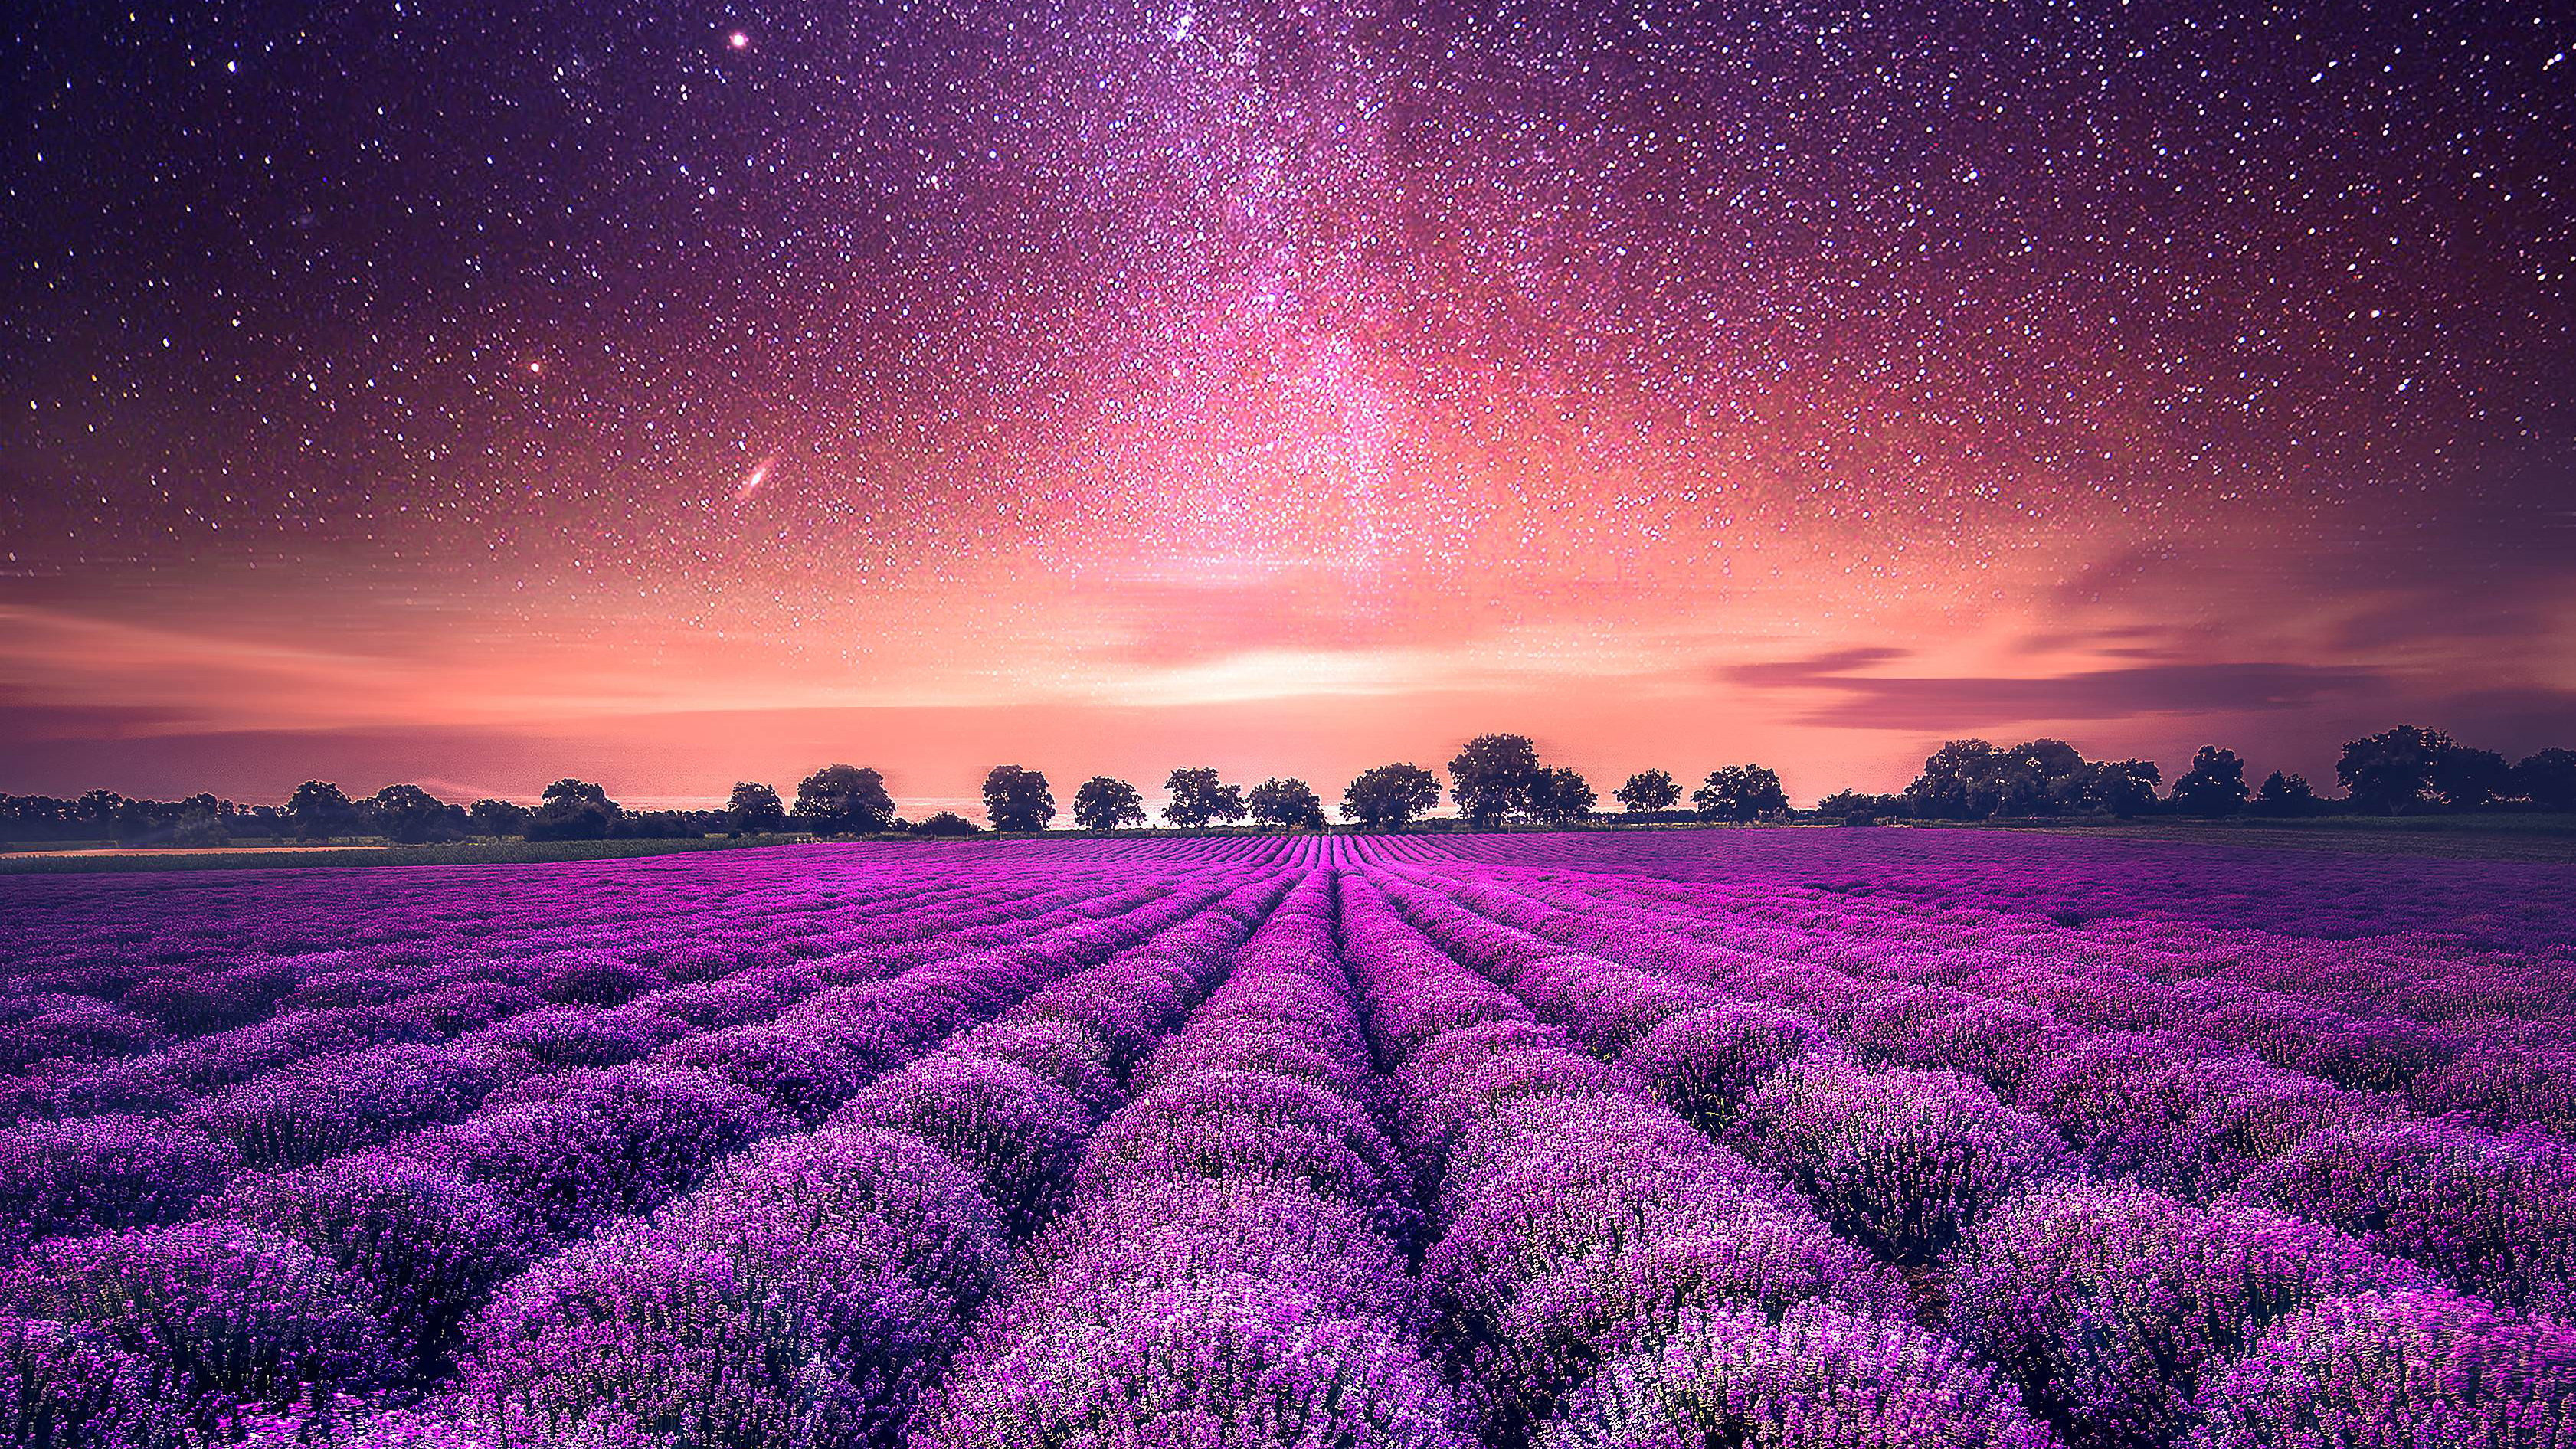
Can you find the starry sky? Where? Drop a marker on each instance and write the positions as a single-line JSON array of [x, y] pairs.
[[676, 394]]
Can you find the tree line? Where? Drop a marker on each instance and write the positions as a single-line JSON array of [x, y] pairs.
[[2405, 769], [1495, 779]]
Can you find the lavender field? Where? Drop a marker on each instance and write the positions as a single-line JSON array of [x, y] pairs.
[[1827, 1139]]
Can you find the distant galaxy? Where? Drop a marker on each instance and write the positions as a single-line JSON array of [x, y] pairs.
[[478, 394]]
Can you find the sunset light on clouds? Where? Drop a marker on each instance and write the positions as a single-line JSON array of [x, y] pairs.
[[1286, 388]]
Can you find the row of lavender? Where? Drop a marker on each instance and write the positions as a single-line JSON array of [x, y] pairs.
[[312, 1288], [808, 1293], [2453, 909], [2128, 1316], [550, 955]]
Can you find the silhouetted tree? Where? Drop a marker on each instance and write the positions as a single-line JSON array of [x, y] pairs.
[[2213, 786], [2284, 795], [1740, 792], [2048, 778], [1105, 804], [1198, 797], [1561, 797], [2547, 779], [754, 809], [1390, 796], [98, 809], [844, 799], [948, 822], [1017, 799], [1289, 802], [1492, 777], [2123, 787], [574, 810], [1852, 807], [2392, 768], [317, 810], [411, 815], [497, 818], [201, 828], [1969, 780], [1648, 790], [2468, 778], [581, 791]]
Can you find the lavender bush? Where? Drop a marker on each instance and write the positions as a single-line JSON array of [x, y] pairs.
[[1819, 1378]]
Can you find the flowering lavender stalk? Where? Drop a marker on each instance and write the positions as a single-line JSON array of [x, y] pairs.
[[431, 1245], [2406, 1370], [64, 1387], [69, 1178], [223, 1315], [1902, 1160], [2112, 1305], [1818, 1378]]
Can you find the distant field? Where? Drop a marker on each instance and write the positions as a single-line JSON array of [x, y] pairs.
[[59, 860], [2014, 1139], [2498, 836]]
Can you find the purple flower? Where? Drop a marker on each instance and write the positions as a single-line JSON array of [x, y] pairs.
[[223, 1314], [1818, 1378], [2491, 1215], [583, 1036], [1216, 1124], [2396, 1371], [662, 1337], [1215, 1364], [1154, 1233], [431, 1245], [1702, 1062], [670, 1122], [858, 1190], [317, 1109], [103, 1173], [1019, 1133], [1902, 1160], [556, 1166], [803, 1068], [1060, 1051], [64, 1387], [2112, 1304], [595, 978]]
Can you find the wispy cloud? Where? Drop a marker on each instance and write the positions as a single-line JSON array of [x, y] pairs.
[[1850, 698]]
